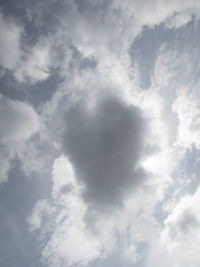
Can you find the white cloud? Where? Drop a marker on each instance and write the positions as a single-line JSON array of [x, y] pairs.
[[82, 95], [112, 32], [36, 64], [180, 236], [36, 214], [151, 13], [175, 82], [65, 221], [66, 201], [187, 109], [107, 39], [131, 254]]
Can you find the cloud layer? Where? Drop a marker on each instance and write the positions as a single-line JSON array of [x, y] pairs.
[[99, 106]]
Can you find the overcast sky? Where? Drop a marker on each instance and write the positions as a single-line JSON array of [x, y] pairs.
[[99, 133]]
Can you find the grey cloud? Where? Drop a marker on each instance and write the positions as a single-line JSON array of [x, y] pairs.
[[18, 120], [188, 222], [18, 123], [105, 144], [10, 52]]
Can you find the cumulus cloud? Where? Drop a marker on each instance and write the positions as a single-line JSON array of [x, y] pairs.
[[181, 232], [61, 221], [105, 139], [122, 145], [175, 81]]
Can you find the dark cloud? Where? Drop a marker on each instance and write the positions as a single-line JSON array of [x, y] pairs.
[[105, 143]]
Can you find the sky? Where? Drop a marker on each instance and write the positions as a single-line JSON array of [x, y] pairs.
[[99, 133]]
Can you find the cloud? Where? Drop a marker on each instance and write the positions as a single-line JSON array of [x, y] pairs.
[[107, 39], [69, 26], [10, 42], [29, 62], [181, 232], [37, 213], [104, 141], [108, 160], [106, 134], [19, 122], [5, 159], [175, 81], [61, 221], [188, 112], [179, 87], [70, 234], [36, 64], [109, 36], [151, 13]]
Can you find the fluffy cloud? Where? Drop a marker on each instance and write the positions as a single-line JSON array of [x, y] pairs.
[[61, 221], [114, 27], [107, 39], [188, 112], [65, 220], [175, 81], [118, 149], [181, 234], [106, 137]]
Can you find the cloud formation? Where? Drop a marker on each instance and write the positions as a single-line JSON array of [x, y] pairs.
[[104, 141], [118, 161]]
